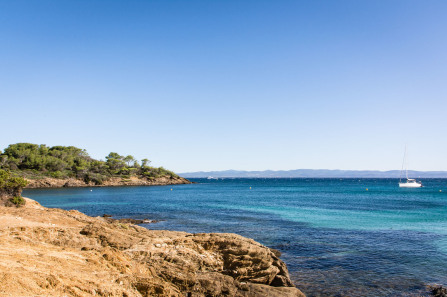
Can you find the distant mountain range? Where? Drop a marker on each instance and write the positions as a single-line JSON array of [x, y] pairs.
[[314, 173]]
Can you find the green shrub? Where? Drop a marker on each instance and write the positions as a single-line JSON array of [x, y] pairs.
[[97, 178], [149, 174], [17, 200], [11, 186], [56, 174]]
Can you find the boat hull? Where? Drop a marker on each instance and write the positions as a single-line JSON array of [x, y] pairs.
[[410, 185]]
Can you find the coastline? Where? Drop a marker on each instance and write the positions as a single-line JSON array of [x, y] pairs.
[[56, 252], [49, 182]]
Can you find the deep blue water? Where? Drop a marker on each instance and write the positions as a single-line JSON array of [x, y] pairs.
[[350, 237]]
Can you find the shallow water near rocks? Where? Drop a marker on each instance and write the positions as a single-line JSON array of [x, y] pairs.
[[339, 237]]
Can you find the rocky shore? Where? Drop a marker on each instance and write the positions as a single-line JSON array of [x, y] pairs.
[[53, 252], [49, 182]]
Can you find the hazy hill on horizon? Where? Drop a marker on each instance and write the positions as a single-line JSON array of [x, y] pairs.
[[314, 173]]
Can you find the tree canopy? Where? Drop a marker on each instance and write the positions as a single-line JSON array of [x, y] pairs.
[[36, 161]]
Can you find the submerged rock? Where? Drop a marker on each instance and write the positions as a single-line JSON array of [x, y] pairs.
[[109, 219], [438, 291], [53, 252]]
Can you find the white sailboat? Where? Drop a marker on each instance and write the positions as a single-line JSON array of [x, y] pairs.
[[410, 183]]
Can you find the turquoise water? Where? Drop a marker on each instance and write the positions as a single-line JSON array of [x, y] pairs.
[[350, 237]]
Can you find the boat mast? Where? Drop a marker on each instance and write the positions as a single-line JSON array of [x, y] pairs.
[[404, 162]]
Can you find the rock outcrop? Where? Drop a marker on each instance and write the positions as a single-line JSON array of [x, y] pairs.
[[53, 252], [49, 182]]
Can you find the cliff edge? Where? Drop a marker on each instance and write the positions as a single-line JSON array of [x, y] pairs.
[[49, 182], [53, 252]]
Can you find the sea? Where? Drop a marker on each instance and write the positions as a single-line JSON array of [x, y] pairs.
[[338, 237]]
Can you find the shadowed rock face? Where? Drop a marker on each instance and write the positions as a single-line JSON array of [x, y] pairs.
[[55, 252]]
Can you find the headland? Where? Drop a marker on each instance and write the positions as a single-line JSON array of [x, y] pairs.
[[68, 166], [50, 182]]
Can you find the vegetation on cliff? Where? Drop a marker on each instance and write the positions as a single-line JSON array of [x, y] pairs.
[[35, 161], [11, 188]]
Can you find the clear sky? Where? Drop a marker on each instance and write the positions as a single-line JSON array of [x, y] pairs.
[[214, 85]]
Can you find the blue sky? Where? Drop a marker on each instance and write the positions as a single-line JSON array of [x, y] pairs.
[[215, 85]]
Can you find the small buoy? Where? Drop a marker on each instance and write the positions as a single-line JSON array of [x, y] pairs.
[[440, 191], [250, 188], [367, 189], [171, 189], [91, 190]]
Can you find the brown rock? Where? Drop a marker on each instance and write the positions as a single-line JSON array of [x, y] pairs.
[[52, 252], [49, 182]]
